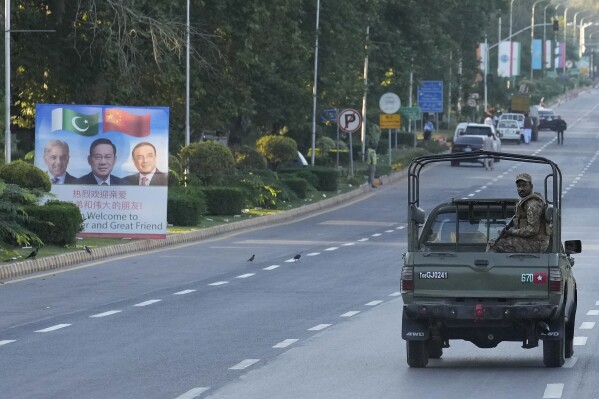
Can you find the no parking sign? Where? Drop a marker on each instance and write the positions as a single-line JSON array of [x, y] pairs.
[[349, 120]]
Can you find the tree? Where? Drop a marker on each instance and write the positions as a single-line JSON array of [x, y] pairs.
[[277, 149]]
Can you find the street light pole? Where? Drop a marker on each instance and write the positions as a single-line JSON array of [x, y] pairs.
[[187, 84], [565, 25], [545, 38], [314, 88], [532, 35], [7, 102]]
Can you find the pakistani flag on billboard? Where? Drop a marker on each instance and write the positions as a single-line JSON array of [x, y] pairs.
[[75, 122]]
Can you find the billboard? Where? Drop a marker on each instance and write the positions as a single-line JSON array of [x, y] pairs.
[[110, 161]]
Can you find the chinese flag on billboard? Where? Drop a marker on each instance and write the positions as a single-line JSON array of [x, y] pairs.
[[131, 124]]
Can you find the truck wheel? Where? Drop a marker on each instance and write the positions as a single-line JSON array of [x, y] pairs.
[[554, 351], [434, 349], [569, 350], [417, 353]]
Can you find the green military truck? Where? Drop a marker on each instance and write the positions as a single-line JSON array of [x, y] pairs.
[[454, 289]]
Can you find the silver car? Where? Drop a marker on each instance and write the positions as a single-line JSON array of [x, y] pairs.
[[509, 130]]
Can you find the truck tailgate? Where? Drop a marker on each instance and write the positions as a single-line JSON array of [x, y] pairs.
[[490, 275]]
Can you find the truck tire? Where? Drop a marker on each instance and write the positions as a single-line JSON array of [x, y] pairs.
[[434, 349], [554, 351], [417, 354], [569, 350]]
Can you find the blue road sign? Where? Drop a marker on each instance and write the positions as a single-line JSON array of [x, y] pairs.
[[329, 114], [430, 96]]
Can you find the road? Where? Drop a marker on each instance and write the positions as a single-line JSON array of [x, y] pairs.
[[200, 321]]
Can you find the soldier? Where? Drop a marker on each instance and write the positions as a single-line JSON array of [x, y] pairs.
[[529, 232]]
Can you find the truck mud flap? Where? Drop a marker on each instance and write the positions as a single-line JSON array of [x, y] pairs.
[[414, 330], [557, 330]]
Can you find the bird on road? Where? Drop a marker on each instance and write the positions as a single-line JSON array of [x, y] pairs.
[[33, 254], [86, 249], [297, 257], [251, 259]]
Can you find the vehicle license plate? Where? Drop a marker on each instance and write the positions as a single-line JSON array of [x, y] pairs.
[[468, 149]]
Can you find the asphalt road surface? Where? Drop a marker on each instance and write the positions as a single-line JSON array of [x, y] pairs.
[[200, 321]]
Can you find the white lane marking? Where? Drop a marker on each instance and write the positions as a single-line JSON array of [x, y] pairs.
[[218, 283], [290, 260], [587, 325], [553, 391], [146, 303], [184, 292], [348, 244], [374, 303], [53, 328], [193, 393], [313, 254], [363, 239], [350, 313], [319, 327], [7, 341], [272, 267], [596, 303], [244, 364], [580, 341], [389, 231], [104, 314], [570, 362], [331, 248], [286, 343], [246, 275], [375, 235], [396, 293], [593, 313]]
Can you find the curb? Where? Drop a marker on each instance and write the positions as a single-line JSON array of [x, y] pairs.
[[59, 261]]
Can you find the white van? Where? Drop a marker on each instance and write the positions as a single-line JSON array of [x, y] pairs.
[[511, 116]]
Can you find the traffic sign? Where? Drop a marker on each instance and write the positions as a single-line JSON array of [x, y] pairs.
[[349, 120], [430, 96], [329, 114], [411, 113], [389, 121], [389, 103]]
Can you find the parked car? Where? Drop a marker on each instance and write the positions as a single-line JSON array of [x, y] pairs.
[[509, 130], [512, 116], [545, 117], [478, 129], [467, 144]]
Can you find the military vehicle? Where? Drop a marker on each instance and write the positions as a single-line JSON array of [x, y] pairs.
[[453, 288]]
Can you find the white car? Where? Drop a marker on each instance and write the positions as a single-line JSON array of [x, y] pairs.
[[509, 130], [510, 116], [478, 129]]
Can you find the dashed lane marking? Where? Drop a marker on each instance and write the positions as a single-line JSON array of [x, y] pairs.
[[147, 303], [587, 325], [363, 239], [593, 313], [396, 293], [104, 314], [375, 235], [244, 364], [348, 244], [217, 283], [553, 391], [570, 362], [246, 275], [53, 328], [271, 267], [580, 341], [286, 343], [319, 327], [184, 292], [7, 341], [350, 313], [332, 249], [389, 231], [374, 303], [313, 254], [193, 393]]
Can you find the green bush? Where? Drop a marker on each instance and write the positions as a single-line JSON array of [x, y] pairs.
[[249, 158], [224, 200], [208, 161], [327, 178], [55, 222], [185, 206], [25, 175], [262, 190], [277, 149], [298, 185]]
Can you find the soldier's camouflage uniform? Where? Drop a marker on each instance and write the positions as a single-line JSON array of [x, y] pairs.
[[530, 232]]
